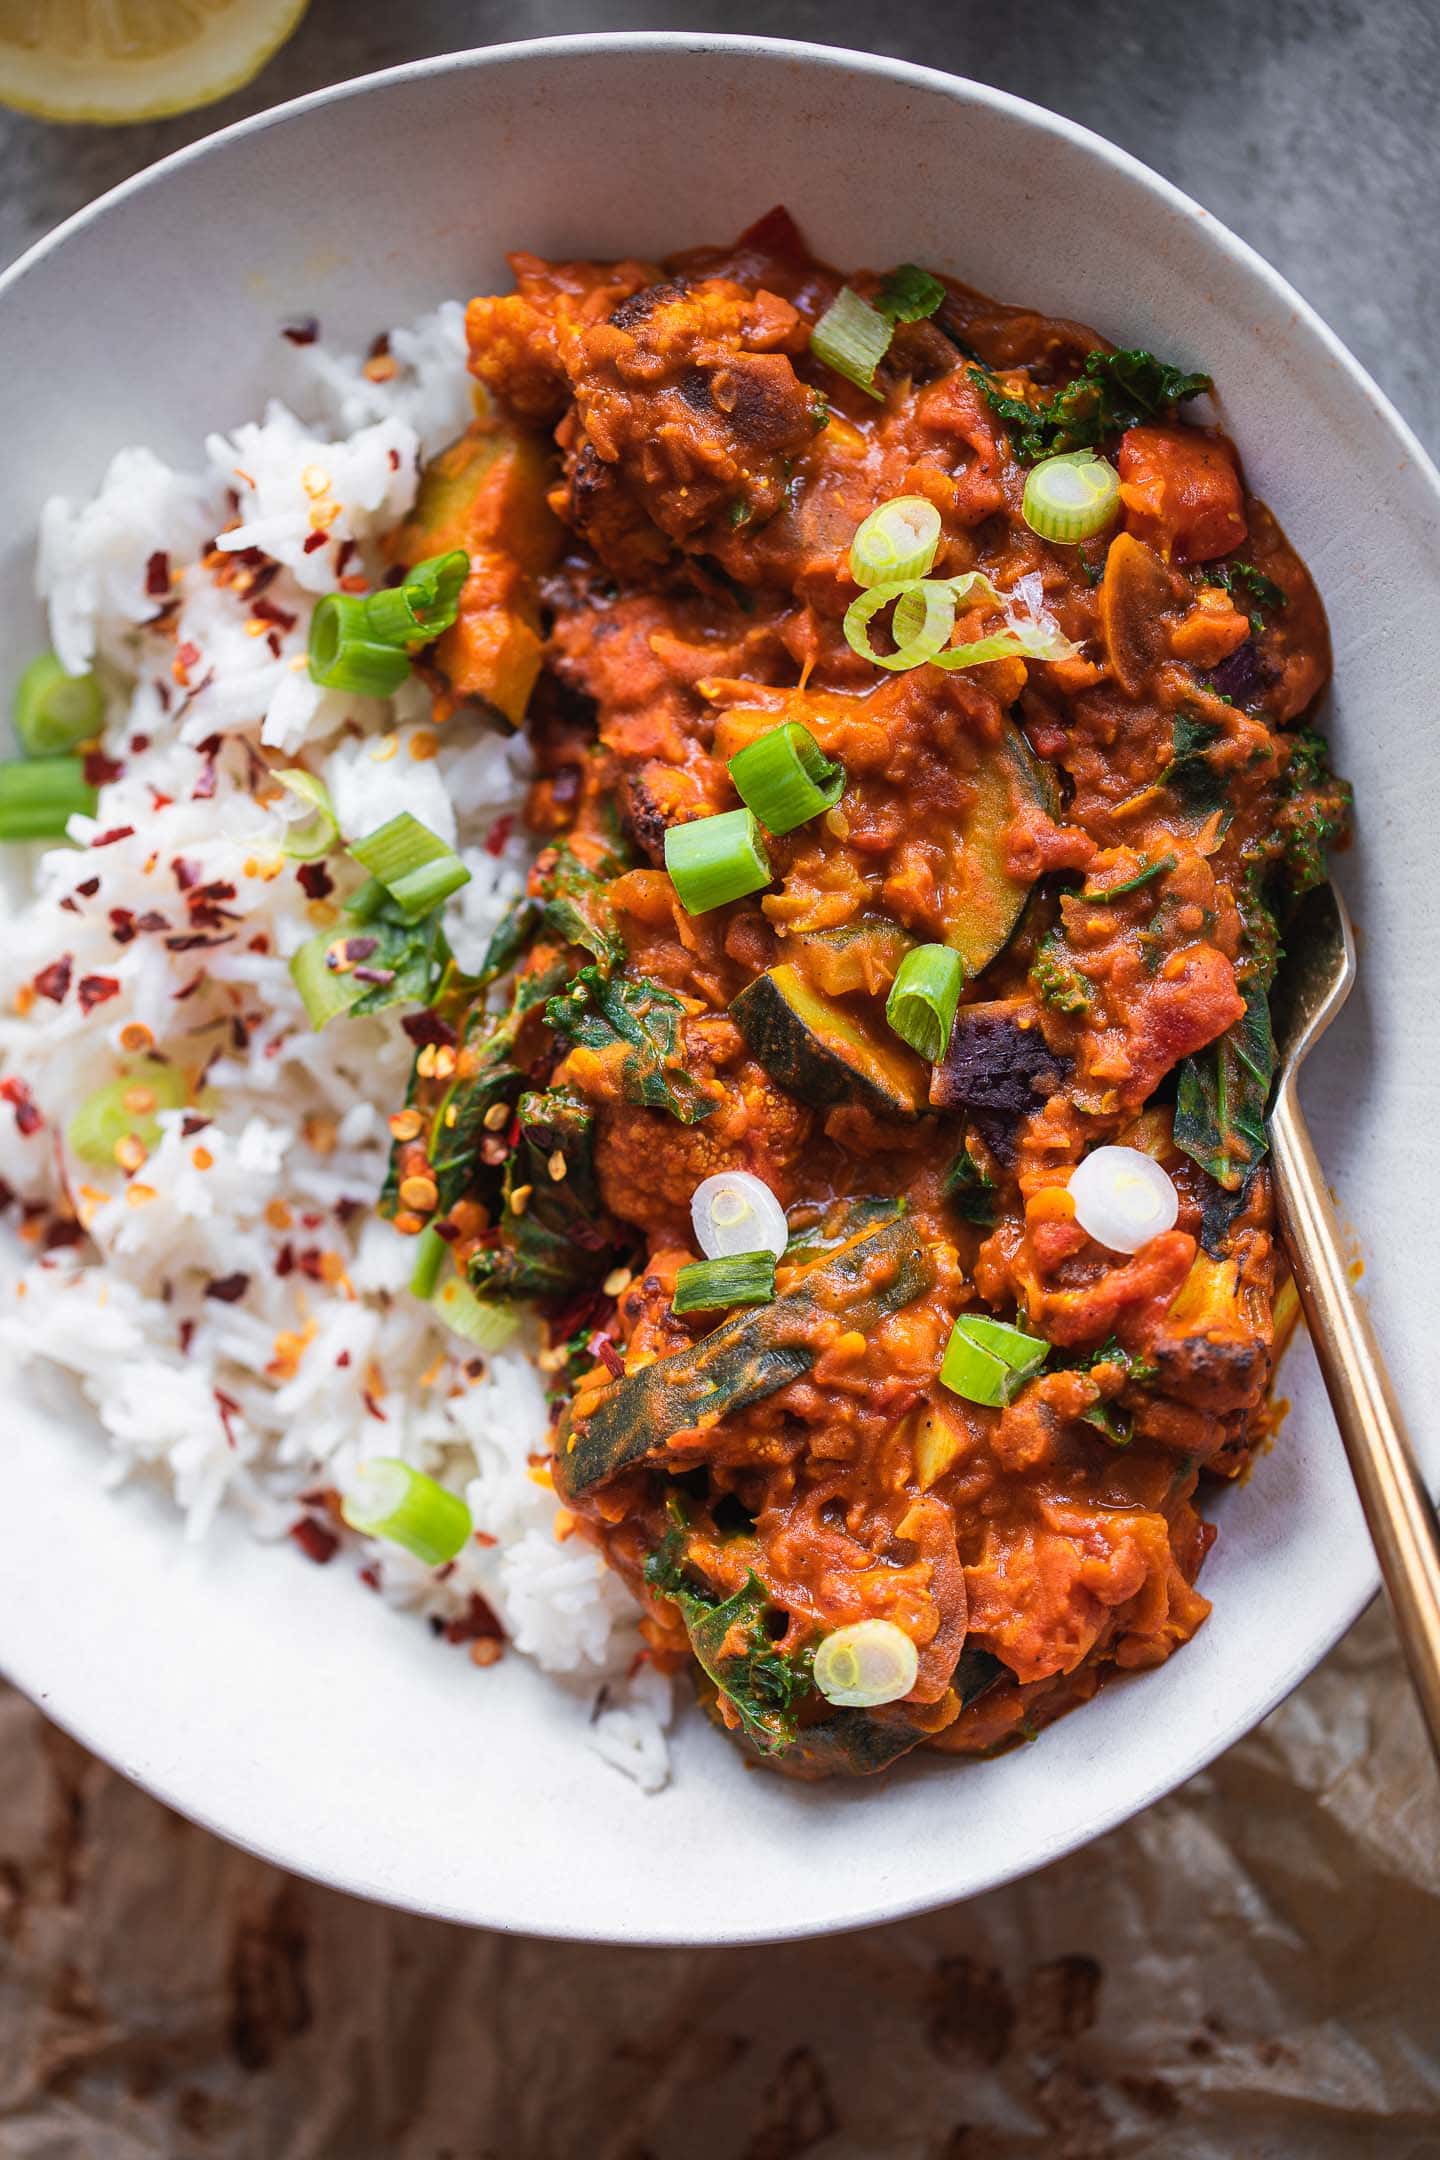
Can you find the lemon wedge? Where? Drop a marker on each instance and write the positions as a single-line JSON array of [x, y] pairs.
[[117, 60]]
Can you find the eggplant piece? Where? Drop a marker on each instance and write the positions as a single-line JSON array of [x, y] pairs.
[[745, 1359], [996, 1060], [821, 1052]]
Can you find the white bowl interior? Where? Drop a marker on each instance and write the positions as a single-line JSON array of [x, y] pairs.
[[267, 1698]]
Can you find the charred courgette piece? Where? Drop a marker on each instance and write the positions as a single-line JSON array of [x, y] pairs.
[[983, 903], [745, 1359], [486, 493], [858, 956], [824, 1053]]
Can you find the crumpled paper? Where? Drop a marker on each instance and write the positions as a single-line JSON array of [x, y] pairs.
[[1249, 1971]]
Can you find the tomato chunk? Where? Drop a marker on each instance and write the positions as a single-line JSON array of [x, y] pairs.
[[1181, 492]]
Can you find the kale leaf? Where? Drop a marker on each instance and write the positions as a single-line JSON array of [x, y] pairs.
[[1223, 1092], [637, 1023], [1315, 812], [731, 1645], [971, 1190], [1243, 580], [577, 909], [486, 1076], [1112, 392], [562, 1235], [1057, 978], [401, 962], [1190, 775]]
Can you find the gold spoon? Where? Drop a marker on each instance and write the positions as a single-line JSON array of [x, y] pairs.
[[1312, 987]]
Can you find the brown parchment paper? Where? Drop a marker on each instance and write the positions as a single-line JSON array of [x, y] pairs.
[[1250, 1969]]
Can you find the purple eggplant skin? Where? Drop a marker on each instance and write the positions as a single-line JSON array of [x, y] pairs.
[[1241, 676], [997, 1060]]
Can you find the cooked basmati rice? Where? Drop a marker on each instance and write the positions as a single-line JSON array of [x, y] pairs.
[[240, 1319]]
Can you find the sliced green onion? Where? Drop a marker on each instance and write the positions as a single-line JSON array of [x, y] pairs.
[[325, 990], [733, 1211], [924, 617], [54, 711], [785, 777], [909, 294], [853, 338], [746, 1278], [124, 1106], [715, 859], [40, 795], [1071, 498], [897, 542], [413, 864], [923, 997], [415, 612], [307, 838], [345, 653], [387, 1498], [367, 900], [865, 1664], [488, 1326], [987, 1361], [430, 1251]]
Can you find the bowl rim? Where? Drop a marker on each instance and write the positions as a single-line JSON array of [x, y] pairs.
[[840, 60]]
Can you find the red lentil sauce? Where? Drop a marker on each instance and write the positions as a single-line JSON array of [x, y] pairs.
[[662, 501]]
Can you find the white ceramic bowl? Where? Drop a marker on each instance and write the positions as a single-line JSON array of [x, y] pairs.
[[270, 1700]]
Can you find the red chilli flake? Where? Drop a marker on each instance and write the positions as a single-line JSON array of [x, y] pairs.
[[116, 832], [52, 982], [187, 654], [191, 1124], [27, 1116], [227, 1289], [63, 1231], [314, 880], [600, 1346], [186, 1336], [185, 873], [101, 770], [499, 834], [93, 990], [315, 1541], [304, 330], [370, 1576], [269, 612], [87, 888], [314, 541], [428, 1027], [157, 575], [344, 557], [478, 1623], [139, 744], [122, 925], [229, 1409], [151, 921], [374, 1408], [190, 988]]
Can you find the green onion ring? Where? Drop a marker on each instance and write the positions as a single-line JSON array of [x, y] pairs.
[[921, 1006], [785, 777], [897, 542], [713, 860], [1071, 498], [920, 633]]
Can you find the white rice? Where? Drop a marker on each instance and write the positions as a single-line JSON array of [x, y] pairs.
[[253, 1403]]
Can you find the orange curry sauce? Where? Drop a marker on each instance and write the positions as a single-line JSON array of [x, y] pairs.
[[666, 491]]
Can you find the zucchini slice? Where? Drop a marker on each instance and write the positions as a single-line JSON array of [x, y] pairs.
[[983, 902], [745, 1359], [486, 493], [859, 956], [821, 1052]]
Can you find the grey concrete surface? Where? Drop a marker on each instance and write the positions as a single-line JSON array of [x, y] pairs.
[[1307, 125]]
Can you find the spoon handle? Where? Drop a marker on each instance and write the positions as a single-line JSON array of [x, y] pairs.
[[1392, 1492]]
